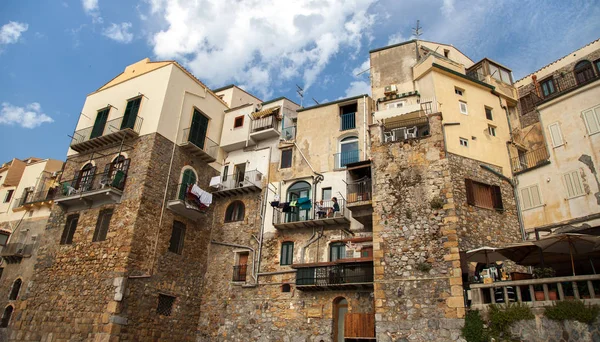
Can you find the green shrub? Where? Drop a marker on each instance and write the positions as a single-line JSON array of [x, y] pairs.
[[502, 317], [573, 310], [543, 272], [424, 267], [437, 203], [473, 330]]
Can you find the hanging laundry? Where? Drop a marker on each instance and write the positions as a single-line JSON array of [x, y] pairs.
[[286, 208], [204, 197], [293, 203], [275, 204], [283, 204], [304, 203]]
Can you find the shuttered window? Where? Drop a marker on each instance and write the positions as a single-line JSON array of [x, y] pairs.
[[69, 230], [463, 107], [556, 135], [287, 253], [177, 237], [530, 197], [286, 159], [483, 195], [573, 184], [592, 120], [102, 225]]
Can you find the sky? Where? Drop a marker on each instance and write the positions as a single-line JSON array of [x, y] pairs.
[[54, 53]]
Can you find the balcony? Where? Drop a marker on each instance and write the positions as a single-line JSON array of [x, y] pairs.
[[344, 158], [537, 292], [343, 274], [203, 148], [93, 190], [264, 128], [35, 199], [240, 184], [113, 133], [14, 252], [360, 201], [183, 207], [405, 127], [319, 215], [347, 121], [530, 160]]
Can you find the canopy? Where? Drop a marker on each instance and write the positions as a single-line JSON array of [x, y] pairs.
[[569, 244], [265, 113], [484, 255], [398, 120]]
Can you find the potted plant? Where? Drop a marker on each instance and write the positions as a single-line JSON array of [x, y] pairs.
[[540, 273]]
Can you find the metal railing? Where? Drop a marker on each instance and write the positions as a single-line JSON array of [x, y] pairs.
[[344, 158], [406, 130], [35, 197], [359, 191], [347, 121], [261, 124], [17, 249], [240, 180], [531, 291], [205, 144], [353, 273], [530, 159], [561, 84], [87, 183], [111, 126], [288, 133], [239, 272], [319, 210]]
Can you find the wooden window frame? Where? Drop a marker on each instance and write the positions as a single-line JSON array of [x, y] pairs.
[[458, 91], [548, 80], [102, 225], [556, 144], [176, 245], [68, 230], [464, 142], [595, 115], [491, 113], [476, 197], [9, 195], [237, 123], [492, 130], [287, 165], [287, 253], [337, 246], [235, 214]]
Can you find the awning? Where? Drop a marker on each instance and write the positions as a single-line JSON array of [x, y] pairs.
[[265, 113], [412, 117]]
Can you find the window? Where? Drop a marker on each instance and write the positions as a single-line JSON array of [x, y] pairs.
[[337, 250], [69, 231], [234, 212], [548, 87], [483, 195], [446, 53], [102, 225], [100, 122], [14, 291], [366, 252], [464, 142], [286, 158], [131, 112], [287, 253], [530, 196], [500, 74], [488, 113], [591, 117], [597, 64], [8, 196], [349, 152], [286, 288], [556, 135], [225, 171], [398, 104], [463, 107], [573, 184], [584, 72], [348, 116], [85, 177], [238, 121], [177, 237], [295, 192], [165, 305], [1, 271], [4, 235], [187, 178], [326, 194], [492, 130], [6, 316], [458, 91]]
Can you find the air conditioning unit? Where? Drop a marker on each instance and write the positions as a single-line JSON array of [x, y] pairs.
[[391, 89]]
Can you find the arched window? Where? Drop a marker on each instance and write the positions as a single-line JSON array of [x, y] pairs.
[[583, 72], [297, 191], [85, 177], [348, 152], [235, 211], [6, 316], [188, 177], [116, 172], [14, 292]]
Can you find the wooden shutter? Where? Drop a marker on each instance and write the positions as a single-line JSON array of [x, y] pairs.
[[469, 192], [555, 134], [102, 225], [592, 120], [69, 230], [177, 237], [526, 198], [497, 197], [536, 199]]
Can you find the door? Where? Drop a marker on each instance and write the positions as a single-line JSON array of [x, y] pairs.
[[349, 151], [298, 190], [189, 177], [198, 129], [100, 123], [131, 112], [242, 266], [240, 171], [340, 308]]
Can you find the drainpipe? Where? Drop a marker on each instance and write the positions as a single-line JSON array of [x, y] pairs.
[[314, 238], [262, 216], [242, 247], [365, 127]]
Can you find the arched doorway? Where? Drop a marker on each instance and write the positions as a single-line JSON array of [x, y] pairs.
[[6, 316], [348, 151], [85, 177], [340, 308], [296, 191], [188, 177]]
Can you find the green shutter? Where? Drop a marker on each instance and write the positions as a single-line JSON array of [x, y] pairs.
[[189, 177]]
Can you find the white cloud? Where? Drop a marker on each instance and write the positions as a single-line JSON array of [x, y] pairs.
[[91, 8], [11, 32], [358, 88], [119, 32], [447, 8], [30, 116], [258, 42], [396, 38]]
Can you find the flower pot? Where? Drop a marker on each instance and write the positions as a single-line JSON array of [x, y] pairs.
[[539, 296], [552, 295]]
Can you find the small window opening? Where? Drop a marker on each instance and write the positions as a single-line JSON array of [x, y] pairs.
[[238, 121], [165, 305], [286, 288]]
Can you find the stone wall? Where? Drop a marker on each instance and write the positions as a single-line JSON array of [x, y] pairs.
[[542, 329]]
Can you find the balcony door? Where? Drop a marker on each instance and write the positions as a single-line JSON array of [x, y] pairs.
[[131, 113], [348, 151], [189, 177], [239, 172], [85, 177], [198, 129], [100, 123], [296, 191]]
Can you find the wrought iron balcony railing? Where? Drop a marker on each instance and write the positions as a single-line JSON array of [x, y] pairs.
[[530, 159], [344, 158], [239, 272], [110, 127], [209, 149], [335, 275], [36, 197], [264, 123], [311, 214], [92, 182], [347, 121], [359, 191], [240, 180]]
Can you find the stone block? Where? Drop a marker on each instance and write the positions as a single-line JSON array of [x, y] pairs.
[[455, 302]]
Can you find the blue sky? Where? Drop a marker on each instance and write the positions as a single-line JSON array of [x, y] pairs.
[[53, 53]]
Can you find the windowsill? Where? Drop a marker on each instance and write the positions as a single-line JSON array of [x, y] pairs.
[[537, 206], [493, 209], [590, 134], [576, 196], [558, 145], [347, 129]]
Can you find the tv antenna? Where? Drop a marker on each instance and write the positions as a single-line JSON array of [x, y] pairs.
[[300, 92], [317, 102], [417, 31]]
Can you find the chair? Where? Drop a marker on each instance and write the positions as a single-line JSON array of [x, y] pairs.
[[118, 179], [388, 136], [399, 133], [411, 132]]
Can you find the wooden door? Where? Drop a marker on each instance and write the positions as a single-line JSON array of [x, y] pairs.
[[189, 177], [359, 325], [198, 129], [243, 266], [340, 308]]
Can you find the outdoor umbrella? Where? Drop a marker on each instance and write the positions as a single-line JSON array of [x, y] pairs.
[[484, 254], [572, 244]]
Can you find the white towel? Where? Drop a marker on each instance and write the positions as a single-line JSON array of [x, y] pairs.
[[204, 197], [215, 181]]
